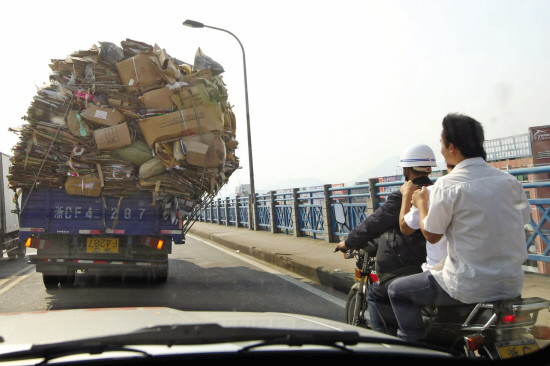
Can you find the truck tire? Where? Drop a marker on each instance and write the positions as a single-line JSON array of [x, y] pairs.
[[161, 275], [50, 281], [18, 253], [67, 281]]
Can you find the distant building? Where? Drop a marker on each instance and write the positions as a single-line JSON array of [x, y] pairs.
[[525, 151], [242, 190]]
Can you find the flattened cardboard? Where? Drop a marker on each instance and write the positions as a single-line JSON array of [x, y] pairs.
[[138, 71], [100, 117], [181, 123], [158, 99], [205, 74], [85, 185], [112, 138], [200, 96]]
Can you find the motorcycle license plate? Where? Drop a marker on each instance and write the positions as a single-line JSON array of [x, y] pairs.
[[517, 348], [102, 245]]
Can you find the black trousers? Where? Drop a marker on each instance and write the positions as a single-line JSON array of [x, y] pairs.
[[383, 305]]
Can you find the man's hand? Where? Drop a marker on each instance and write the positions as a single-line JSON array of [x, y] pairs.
[[408, 189], [341, 247], [420, 197]]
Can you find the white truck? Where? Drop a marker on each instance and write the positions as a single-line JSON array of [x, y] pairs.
[[9, 218]]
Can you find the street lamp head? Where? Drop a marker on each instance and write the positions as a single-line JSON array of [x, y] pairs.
[[193, 24]]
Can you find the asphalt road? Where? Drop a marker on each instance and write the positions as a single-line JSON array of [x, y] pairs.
[[203, 277]]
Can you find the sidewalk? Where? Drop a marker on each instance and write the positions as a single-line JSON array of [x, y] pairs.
[[314, 259]]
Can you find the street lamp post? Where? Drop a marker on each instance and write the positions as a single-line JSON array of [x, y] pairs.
[[194, 24]]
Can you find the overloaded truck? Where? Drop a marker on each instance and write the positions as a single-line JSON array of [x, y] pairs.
[[9, 220], [116, 153], [97, 235]]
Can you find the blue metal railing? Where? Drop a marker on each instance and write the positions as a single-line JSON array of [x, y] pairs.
[[311, 206]]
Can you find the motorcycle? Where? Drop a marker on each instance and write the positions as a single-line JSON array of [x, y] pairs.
[[496, 330]]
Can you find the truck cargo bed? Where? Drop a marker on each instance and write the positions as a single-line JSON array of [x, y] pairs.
[[53, 211]]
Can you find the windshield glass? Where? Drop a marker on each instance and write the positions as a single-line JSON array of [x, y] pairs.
[[156, 169]]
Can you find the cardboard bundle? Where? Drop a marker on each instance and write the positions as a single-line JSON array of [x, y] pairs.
[[120, 120]]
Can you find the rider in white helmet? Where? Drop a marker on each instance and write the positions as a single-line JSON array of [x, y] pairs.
[[398, 254], [409, 220]]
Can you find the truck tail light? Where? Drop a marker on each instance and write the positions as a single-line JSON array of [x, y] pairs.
[[152, 242], [38, 243], [28, 243]]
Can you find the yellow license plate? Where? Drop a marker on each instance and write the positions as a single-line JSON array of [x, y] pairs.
[[517, 350], [102, 245]]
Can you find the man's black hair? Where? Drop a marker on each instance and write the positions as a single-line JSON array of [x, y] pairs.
[[465, 133]]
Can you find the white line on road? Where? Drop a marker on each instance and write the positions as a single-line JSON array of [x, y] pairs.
[[313, 290], [21, 278]]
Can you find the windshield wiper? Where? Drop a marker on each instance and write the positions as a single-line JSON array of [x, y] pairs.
[[205, 334]]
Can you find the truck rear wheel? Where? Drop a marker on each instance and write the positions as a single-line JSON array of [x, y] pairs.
[[50, 281], [68, 280], [161, 275], [19, 252]]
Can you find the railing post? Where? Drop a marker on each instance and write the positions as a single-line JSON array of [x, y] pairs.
[[237, 224], [327, 214], [226, 211], [272, 213], [372, 202], [218, 211], [210, 207], [296, 212], [252, 215]]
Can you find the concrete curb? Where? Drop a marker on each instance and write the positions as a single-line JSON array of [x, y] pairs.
[[338, 281]]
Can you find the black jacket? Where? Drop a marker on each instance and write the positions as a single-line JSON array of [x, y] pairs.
[[398, 254]]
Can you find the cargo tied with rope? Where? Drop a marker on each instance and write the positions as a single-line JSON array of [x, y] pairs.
[[120, 120]]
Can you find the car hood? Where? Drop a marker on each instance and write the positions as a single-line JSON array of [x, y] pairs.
[[67, 325]]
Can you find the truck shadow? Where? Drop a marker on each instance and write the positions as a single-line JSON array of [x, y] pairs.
[[193, 288]]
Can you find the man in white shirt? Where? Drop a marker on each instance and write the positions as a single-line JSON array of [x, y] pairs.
[[482, 211]]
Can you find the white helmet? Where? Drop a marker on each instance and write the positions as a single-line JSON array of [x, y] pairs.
[[417, 155]]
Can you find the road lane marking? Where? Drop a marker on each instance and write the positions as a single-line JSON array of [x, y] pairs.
[[14, 275], [287, 278], [21, 278]]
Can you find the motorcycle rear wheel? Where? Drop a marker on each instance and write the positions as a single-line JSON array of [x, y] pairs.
[[364, 321]]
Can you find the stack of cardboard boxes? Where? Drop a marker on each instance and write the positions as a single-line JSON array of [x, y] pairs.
[[118, 120]]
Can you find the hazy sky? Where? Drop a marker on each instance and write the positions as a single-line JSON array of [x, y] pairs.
[[334, 87]]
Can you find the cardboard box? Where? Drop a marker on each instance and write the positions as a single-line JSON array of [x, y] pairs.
[[85, 185], [118, 102], [158, 99], [196, 153], [181, 123], [100, 117], [200, 96], [212, 157], [138, 71], [112, 138]]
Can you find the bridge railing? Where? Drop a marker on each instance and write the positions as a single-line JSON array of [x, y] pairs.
[[311, 212]]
